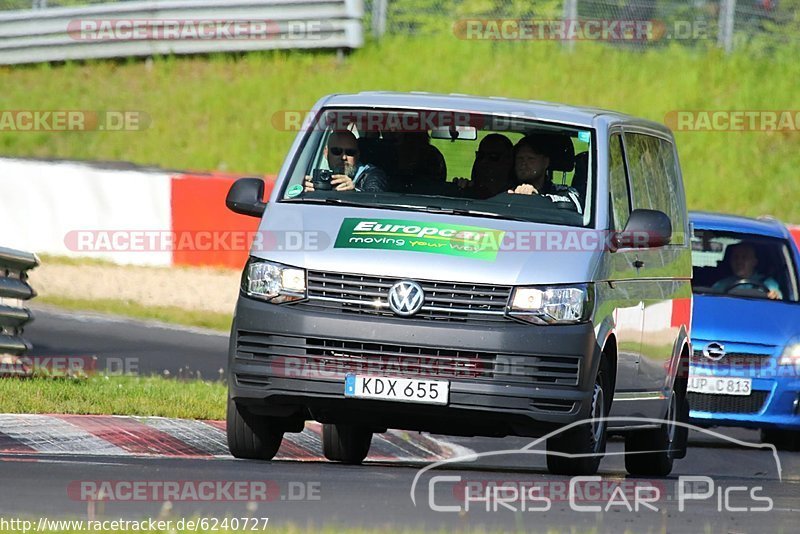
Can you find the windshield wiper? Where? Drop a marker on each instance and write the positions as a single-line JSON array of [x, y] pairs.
[[414, 207], [470, 213], [329, 200]]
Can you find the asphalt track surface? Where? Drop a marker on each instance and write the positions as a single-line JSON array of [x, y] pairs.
[[379, 493], [141, 346]]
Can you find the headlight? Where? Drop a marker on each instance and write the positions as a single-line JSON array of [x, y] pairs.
[[553, 305], [273, 282], [791, 354]]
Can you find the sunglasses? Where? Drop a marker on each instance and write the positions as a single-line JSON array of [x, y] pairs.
[[491, 156], [338, 151]]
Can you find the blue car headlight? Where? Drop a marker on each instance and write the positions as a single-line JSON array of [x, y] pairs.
[[791, 353]]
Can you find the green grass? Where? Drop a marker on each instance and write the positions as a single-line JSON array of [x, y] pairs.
[[114, 395], [217, 112], [78, 261], [46, 259], [127, 308]]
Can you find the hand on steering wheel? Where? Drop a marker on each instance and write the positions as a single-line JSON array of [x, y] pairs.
[[758, 285]]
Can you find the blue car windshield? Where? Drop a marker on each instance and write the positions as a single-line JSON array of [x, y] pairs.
[[743, 265]]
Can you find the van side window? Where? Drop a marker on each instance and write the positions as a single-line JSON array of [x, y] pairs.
[[675, 192], [618, 186], [654, 179]]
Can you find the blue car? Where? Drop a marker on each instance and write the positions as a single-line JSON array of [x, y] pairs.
[[745, 367]]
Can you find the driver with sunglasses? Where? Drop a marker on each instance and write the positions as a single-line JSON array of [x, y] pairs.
[[342, 154]]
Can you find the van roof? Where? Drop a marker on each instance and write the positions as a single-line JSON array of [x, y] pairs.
[[533, 109]]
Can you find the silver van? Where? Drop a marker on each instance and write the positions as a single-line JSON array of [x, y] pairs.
[[467, 266]]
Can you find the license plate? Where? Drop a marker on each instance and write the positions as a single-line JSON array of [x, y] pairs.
[[396, 389], [720, 386]]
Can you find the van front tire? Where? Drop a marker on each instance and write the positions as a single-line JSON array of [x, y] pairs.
[[348, 444], [579, 450], [250, 436], [652, 452]]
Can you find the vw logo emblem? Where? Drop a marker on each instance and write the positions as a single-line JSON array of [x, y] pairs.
[[406, 298], [714, 351]]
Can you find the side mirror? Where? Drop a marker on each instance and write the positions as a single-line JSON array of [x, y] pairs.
[[245, 197], [645, 229]]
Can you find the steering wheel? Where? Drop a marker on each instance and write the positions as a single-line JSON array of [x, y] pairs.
[[759, 285]]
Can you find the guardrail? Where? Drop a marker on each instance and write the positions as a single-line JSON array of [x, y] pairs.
[[154, 27], [14, 290]]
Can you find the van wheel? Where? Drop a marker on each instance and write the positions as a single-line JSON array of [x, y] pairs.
[[585, 439], [652, 452], [348, 444], [785, 440], [255, 437]]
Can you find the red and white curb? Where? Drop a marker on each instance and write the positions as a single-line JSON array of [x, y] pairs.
[[125, 212], [103, 435]]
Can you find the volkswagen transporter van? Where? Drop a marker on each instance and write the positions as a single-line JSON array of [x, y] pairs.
[[467, 266]]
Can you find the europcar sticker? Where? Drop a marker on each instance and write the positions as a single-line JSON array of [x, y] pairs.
[[436, 238]]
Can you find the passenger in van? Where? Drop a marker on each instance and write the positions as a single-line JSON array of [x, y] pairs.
[[491, 171], [417, 167], [342, 153], [532, 177], [742, 260]]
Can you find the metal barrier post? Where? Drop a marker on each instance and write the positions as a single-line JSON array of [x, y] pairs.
[[727, 17], [379, 18], [14, 290], [570, 13]]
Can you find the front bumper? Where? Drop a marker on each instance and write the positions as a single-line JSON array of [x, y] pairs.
[[505, 378], [775, 402]]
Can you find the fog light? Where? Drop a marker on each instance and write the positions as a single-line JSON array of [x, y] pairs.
[[796, 405]]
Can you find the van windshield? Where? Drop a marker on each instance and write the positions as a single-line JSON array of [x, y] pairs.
[[446, 162]]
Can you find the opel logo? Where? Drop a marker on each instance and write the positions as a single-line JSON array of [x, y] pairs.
[[714, 351], [406, 298]]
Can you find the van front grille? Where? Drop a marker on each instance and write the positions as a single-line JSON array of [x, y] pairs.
[[368, 295]]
